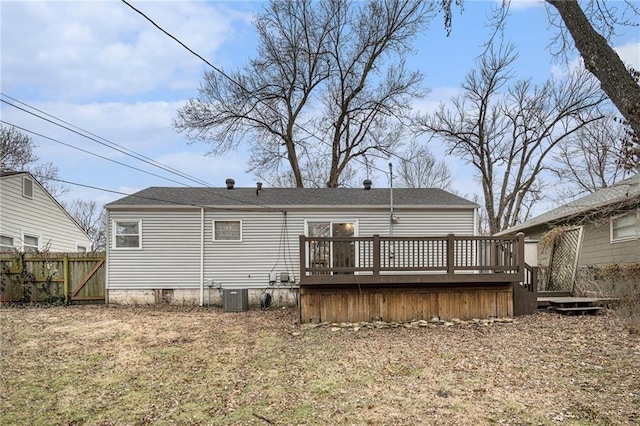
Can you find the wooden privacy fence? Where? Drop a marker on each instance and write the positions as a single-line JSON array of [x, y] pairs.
[[67, 277]]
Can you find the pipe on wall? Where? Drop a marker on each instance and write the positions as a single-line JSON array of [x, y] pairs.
[[201, 256]]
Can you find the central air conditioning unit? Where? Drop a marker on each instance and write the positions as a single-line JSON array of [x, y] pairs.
[[235, 300]]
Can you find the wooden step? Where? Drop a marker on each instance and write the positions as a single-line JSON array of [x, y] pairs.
[[579, 310], [548, 293]]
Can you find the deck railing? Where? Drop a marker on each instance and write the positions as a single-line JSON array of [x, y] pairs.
[[377, 259]]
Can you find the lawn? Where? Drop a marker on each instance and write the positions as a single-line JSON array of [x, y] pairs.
[[102, 365]]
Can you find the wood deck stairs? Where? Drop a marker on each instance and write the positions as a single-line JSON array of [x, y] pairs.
[[564, 303]]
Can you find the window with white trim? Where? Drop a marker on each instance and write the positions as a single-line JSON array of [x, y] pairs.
[[6, 243], [127, 234], [227, 230], [625, 227], [27, 187], [81, 249], [30, 242]]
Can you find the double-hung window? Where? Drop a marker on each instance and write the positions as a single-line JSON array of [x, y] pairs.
[[625, 227], [127, 234]]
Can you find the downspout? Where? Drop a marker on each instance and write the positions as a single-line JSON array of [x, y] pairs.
[[201, 256], [391, 199]]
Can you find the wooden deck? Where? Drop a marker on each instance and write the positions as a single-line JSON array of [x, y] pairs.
[[404, 278]]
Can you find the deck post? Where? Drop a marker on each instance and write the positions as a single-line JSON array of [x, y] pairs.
[[376, 255], [520, 251], [450, 254], [303, 256]]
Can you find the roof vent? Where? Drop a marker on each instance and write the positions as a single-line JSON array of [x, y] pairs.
[[230, 183], [367, 184]]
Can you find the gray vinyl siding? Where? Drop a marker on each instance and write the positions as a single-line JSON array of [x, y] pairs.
[[39, 216], [597, 248], [170, 254]]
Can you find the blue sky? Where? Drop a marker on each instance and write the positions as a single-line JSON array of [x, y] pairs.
[[102, 67]]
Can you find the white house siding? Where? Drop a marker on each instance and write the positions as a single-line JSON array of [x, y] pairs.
[[39, 216], [170, 255]]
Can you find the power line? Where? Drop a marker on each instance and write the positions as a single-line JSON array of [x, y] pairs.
[[91, 153], [137, 155], [120, 150], [243, 87], [164, 200]]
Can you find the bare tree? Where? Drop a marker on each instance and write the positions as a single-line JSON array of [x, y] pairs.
[[91, 219], [598, 55], [590, 24], [328, 83], [591, 158], [16, 154], [419, 168], [507, 130]]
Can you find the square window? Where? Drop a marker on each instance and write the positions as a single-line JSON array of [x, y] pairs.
[[625, 227], [227, 230], [127, 234]]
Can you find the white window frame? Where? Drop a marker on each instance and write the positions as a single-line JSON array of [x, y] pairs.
[[6, 247], [213, 230], [629, 238], [31, 235], [114, 229], [83, 246]]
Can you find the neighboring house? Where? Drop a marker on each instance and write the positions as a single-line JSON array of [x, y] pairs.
[[599, 229], [173, 244], [32, 220]]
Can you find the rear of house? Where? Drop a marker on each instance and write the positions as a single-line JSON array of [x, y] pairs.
[[180, 245], [592, 244], [32, 220]]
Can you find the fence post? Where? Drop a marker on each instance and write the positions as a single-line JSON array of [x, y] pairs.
[[450, 254], [376, 255], [65, 284]]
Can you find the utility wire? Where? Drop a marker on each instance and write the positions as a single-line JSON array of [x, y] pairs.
[[91, 153], [122, 151], [243, 87], [136, 155], [126, 165], [164, 200]]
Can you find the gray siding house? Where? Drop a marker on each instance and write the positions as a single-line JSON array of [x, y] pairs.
[[175, 244], [599, 229], [32, 220]]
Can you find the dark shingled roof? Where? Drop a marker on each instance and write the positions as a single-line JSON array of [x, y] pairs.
[[271, 197]]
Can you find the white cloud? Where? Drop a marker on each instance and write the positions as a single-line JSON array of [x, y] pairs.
[[630, 54], [523, 4], [80, 50]]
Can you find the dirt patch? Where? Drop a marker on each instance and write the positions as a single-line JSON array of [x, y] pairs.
[[162, 365]]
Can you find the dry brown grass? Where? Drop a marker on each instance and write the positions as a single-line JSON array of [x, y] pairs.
[[161, 365]]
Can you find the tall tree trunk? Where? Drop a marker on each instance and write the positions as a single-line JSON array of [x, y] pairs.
[[602, 61]]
